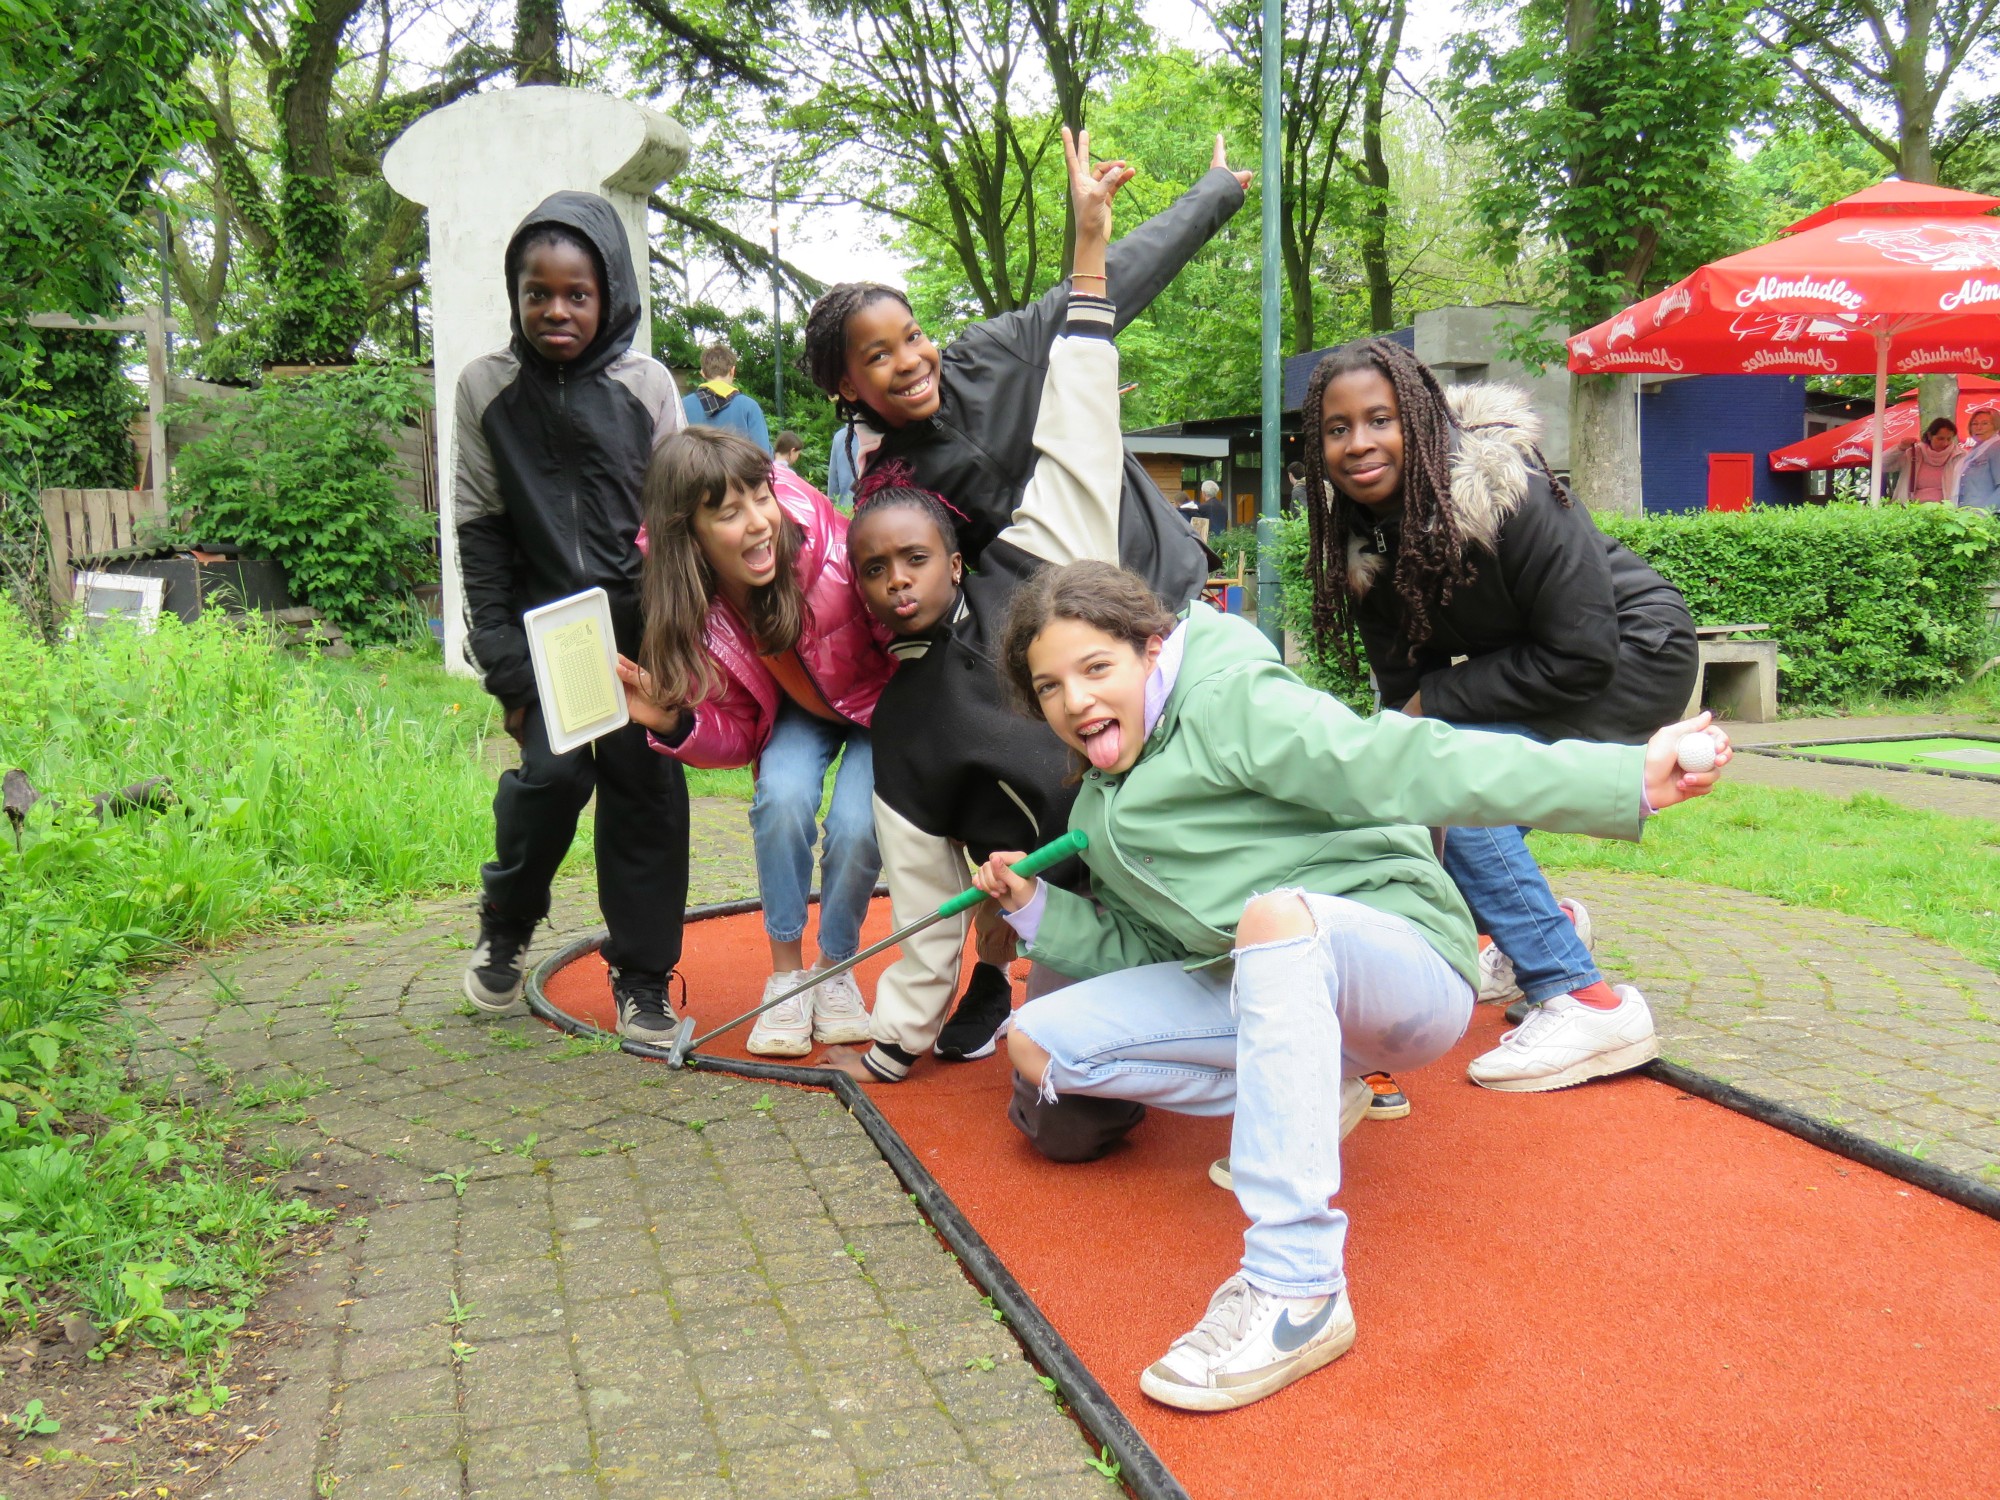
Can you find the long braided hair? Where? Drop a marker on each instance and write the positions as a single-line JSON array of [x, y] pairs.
[[1431, 558], [825, 355]]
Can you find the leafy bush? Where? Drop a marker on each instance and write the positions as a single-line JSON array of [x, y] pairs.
[[1227, 544], [304, 790], [1861, 600], [300, 471], [1888, 601], [1322, 664]]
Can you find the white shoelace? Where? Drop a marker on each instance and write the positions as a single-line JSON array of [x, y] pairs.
[[1223, 1324], [1529, 1032]]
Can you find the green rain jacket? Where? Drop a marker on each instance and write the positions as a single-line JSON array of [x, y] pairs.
[[1252, 782]]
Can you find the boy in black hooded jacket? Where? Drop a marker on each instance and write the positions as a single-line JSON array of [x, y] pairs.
[[552, 436]]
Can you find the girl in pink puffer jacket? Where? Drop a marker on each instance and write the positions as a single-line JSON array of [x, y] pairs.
[[757, 649]]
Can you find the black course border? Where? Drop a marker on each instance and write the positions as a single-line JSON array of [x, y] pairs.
[[1139, 1467], [1803, 750]]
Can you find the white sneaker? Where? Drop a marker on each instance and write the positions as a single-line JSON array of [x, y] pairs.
[[1565, 1042], [1355, 1097], [1497, 985], [1249, 1344], [837, 1012], [784, 1030]]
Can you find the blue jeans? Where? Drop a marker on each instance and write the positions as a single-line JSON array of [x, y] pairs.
[[1364, 993], [784, 824], [1512, 903]]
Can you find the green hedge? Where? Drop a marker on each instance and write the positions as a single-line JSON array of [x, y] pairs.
[[1861, 602]]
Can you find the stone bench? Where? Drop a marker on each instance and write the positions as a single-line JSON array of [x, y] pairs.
[[1739, 678]]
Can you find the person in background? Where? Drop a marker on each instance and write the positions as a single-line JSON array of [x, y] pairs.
[[1926, 473], [1213, 507], [1296, 473], [716, 402], [841, 468], [788, 450], [1979, 471]]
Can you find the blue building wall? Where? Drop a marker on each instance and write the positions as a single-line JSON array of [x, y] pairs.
[[1683, 421]]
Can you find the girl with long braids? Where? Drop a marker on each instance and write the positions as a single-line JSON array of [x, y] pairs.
[[1486, 597]]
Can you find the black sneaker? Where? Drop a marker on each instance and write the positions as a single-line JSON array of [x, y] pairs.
[[1387, 1101], [493, 978], [980, 1020], [643, 1012]]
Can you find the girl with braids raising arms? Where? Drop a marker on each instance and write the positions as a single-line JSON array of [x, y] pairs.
[[1486, 597], [963, 419]]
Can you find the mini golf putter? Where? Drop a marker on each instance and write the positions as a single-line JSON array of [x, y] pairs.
[[1073, 842]]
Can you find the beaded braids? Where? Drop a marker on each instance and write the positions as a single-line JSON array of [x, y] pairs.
[[1431, 560], [893, 486], [825, 355]]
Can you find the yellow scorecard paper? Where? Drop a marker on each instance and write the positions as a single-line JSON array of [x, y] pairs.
[[571, 646]]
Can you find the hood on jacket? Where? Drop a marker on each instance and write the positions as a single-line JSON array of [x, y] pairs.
[[1216, 643], [593, 220], [1496, 447]]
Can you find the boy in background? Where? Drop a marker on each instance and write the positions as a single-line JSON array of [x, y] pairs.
[[716, 402], [553, 435]]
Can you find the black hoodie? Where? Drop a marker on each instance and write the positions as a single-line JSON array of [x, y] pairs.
[[549, 460]]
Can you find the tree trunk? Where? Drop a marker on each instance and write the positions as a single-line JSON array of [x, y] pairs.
[[1298, 281], [1375, 220], [1604, 443], [319, 315], [538, 33]]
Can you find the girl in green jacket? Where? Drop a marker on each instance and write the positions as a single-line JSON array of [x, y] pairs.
[[1235, 814]]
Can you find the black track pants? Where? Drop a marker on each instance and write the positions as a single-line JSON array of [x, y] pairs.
[[642, 838]]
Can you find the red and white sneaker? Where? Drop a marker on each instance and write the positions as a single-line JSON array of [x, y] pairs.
[[1564, 1042]]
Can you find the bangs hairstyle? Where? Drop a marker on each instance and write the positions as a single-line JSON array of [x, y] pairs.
[[691, 472], [893, 486], [825, 355], [1431, 556], [1101, 595]]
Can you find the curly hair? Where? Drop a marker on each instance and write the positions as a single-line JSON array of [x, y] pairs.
[[824, 357], [1432, 560], [1101, 595]]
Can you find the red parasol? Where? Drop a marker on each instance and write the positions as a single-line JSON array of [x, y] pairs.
[[1850, 446], [1900, 276]]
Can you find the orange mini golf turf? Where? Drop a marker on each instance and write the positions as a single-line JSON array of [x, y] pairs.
[[1608, 1291]]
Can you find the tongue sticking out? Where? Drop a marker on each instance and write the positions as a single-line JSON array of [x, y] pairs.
[[1105, 746]]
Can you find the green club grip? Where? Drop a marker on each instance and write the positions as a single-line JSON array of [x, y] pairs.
[[1073, 842]]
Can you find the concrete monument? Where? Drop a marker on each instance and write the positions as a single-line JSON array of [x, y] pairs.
[[478, 167]]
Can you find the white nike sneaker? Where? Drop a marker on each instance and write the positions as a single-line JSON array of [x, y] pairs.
[[784, 1030], [837, 1012], [1497, 985], [1565, 1042], [1355, 1097], [1249, 1344]]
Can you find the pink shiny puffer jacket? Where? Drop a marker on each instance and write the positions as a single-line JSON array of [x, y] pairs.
[[841, 645]]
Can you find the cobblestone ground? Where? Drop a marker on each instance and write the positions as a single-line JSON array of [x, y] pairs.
[[590, 1276], [1891, 1035]]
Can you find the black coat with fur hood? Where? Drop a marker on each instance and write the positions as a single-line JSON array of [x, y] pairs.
[[1561, 629]]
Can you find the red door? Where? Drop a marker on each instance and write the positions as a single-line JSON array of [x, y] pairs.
[[1731, 477]]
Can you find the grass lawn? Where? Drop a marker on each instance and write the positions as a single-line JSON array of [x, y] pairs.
[[1926, 872]]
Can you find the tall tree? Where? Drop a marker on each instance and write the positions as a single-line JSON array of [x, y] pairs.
[[1608, 124], [538, 35], [1339, 58], [1883, 68]]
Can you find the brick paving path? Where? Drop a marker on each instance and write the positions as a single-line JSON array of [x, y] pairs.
[[669, 1286], [677, 1286]]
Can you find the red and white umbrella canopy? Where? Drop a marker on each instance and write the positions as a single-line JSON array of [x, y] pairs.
[[1916, 263], [1901, 276], [1851, 446]]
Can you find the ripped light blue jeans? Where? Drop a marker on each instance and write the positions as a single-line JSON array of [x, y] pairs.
[[1366, 993]]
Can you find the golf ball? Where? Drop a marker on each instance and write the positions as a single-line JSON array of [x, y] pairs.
[[1696, 752]]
